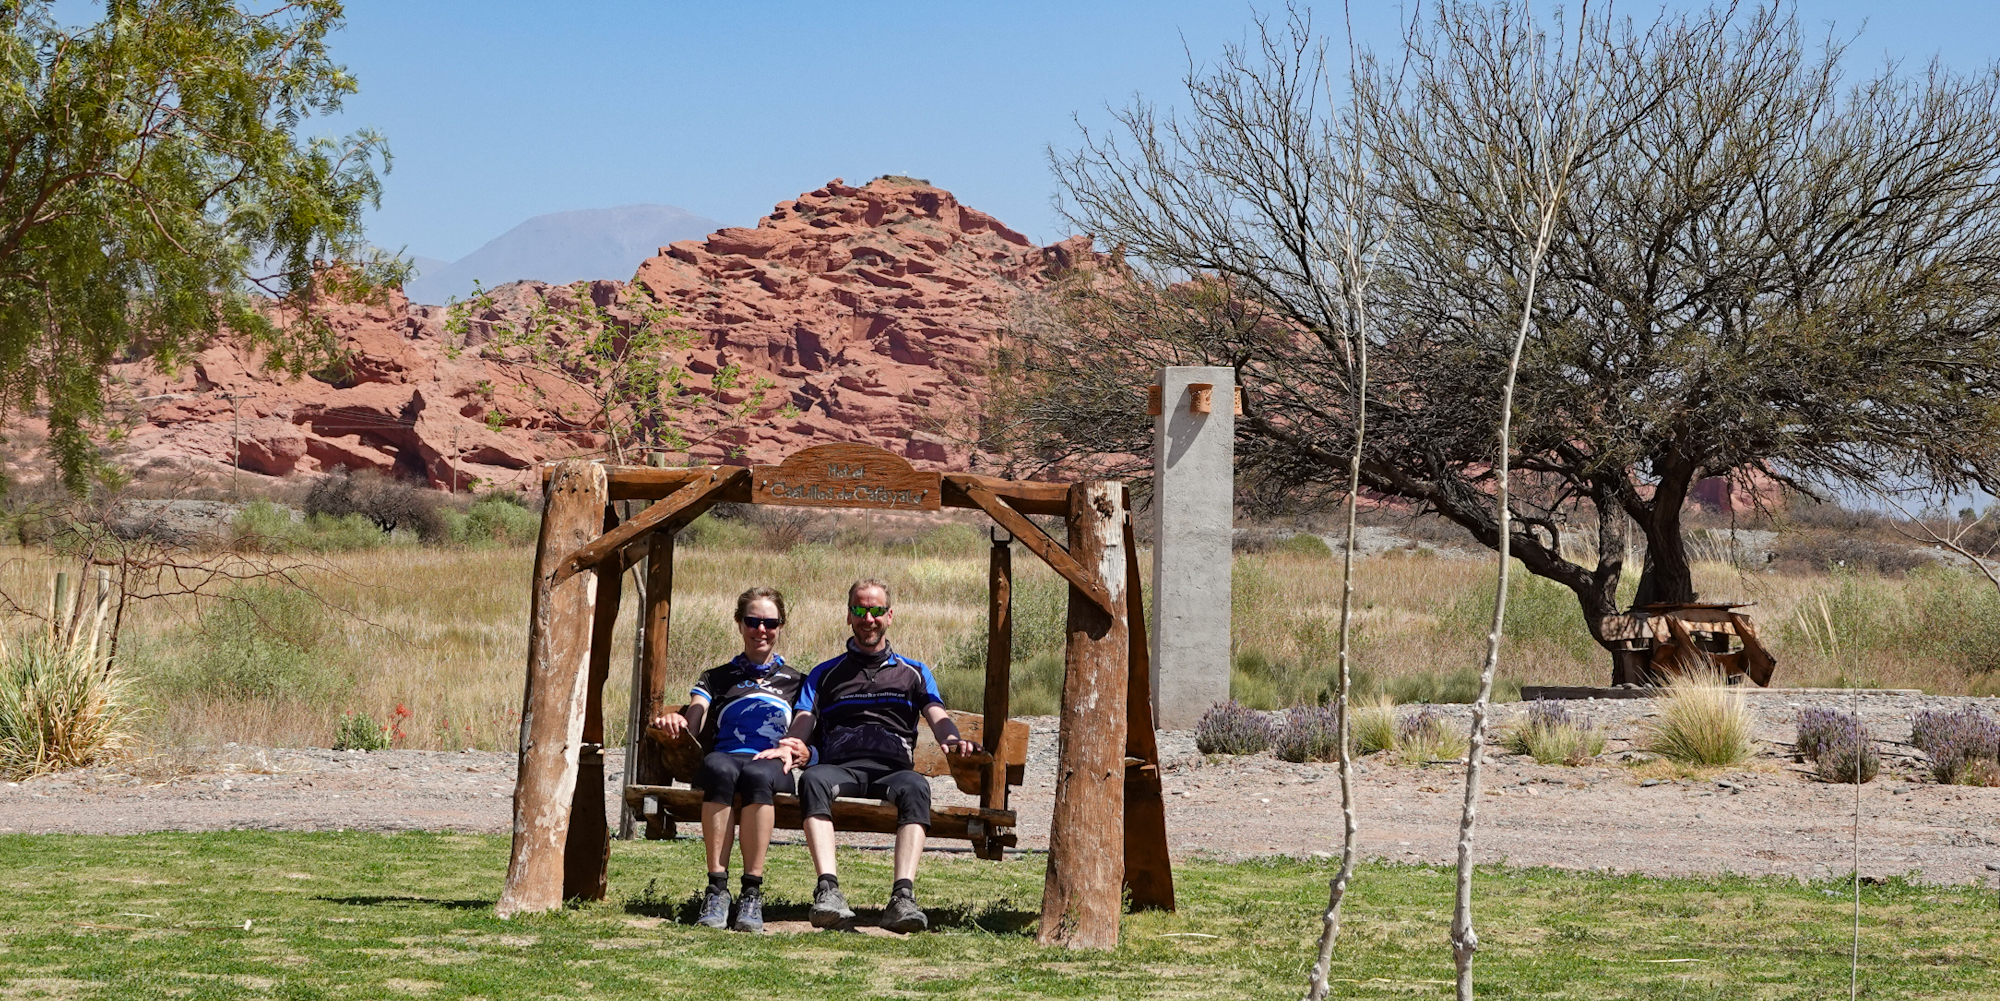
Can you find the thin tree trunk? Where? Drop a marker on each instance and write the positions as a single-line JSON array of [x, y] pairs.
[[1336, 893], [1464, 940]]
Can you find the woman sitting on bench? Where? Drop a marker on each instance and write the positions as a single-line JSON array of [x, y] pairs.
[[739, 709]]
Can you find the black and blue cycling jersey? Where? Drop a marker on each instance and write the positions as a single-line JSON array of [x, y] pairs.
[[866, 706]]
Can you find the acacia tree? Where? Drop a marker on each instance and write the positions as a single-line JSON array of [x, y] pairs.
[[617, 353], [153, 185], [1757, 268]]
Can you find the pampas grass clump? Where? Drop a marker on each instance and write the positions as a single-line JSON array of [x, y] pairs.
[[1374, 726], [1700, 722], [59, 706]]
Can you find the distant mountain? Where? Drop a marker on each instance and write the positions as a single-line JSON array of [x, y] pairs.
[[562, 247]]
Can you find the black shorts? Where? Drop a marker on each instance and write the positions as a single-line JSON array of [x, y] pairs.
[[725, 776], [910, 791]]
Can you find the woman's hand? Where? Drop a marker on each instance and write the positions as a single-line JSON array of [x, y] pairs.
[[790, 750]]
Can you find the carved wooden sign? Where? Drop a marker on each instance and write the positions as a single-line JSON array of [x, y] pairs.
[[846, 475]]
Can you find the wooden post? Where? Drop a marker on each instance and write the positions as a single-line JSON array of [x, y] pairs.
[[1080, 894], [999, 671], [587, 852], [552, 705], [659, 629], [1149, 872]]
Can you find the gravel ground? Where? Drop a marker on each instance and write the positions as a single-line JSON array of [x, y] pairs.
[[1767, 817]]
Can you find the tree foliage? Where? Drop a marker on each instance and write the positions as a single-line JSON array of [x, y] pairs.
[[1758, 266], [616, 353], [154, 185]]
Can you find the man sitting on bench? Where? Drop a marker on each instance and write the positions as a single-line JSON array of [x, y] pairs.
[[864, 705]]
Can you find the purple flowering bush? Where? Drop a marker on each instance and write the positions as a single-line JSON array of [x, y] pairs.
[[1310, 733], [1551, 734], [1964, 746], [1232, 728], [1838, 745]]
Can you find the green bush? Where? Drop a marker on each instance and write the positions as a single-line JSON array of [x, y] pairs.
[[359, 732], [269, 528], [499, 521], [260, 641], [1304, 544], [1041, 623]]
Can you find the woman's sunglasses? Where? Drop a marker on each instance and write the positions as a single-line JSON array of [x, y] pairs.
[[753, 622]]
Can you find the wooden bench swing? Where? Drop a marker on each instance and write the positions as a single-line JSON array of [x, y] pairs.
[[1107, 834]]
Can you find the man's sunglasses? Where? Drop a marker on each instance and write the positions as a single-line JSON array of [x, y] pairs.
[[863, 611], [753, 622]]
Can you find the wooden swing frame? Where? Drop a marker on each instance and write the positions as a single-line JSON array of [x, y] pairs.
[[1108, 832]]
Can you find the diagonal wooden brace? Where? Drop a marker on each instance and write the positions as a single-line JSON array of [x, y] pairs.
[[1032, 536], [689, 498]]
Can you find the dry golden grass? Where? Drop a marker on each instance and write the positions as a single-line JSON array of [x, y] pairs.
[[442, 632]]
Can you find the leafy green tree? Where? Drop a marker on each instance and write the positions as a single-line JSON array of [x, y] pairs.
[[155, 190], [1758, 267]]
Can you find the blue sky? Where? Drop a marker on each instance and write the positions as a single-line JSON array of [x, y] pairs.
[[500, 110]]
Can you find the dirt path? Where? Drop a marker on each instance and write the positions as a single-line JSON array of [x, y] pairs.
[[1765, 818]]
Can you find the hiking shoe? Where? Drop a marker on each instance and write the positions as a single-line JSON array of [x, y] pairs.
[[750, 912], [903, 916], [830, 908], [714, 909]]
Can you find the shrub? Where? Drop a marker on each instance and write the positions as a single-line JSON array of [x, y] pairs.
[[1374, 726], [499, 520], [1311, 733], [1427, 736], [1847, 755], [1960, 744], [1230, 728], [1304, 544], [1460, 687], [358, 732], [261, 641], [59, 706], [390, 504], [1551, 734], [1700, 722], [1817, 728]]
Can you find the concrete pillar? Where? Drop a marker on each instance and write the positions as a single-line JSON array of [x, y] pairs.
[[1194, 481]]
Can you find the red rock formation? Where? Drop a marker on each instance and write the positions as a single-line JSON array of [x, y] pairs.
[[871, 310]]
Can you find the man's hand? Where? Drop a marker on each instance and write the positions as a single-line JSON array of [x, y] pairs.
[[674, 723], [958, 745]]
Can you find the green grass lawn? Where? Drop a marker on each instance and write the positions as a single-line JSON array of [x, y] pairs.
[[352, 915]]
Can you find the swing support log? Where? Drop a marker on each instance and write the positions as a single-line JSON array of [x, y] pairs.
[[1108, 836]]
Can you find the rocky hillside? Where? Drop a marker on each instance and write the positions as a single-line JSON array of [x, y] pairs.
[[870, 310]]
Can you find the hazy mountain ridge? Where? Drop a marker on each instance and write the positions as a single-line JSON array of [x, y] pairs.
[[562, 247]]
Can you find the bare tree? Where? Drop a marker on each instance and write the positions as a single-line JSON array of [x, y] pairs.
[[1760, 268]]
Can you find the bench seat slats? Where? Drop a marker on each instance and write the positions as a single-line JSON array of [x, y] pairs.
[[849, 813]]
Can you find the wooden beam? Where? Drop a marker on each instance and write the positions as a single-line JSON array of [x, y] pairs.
[[653, 483], [1025, 496], [1080, 892], [552, 709], [694, 497], [1038, 542], [587, 851], [1149, 870], [999, 669], [1757, 661]]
